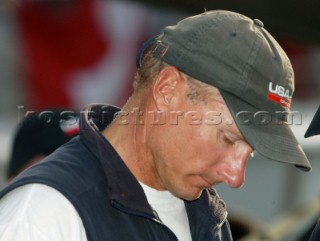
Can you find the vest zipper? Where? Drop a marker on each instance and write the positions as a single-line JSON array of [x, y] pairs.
[[154, 218]]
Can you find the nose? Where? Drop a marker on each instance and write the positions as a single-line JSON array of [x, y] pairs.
[[233, 172]]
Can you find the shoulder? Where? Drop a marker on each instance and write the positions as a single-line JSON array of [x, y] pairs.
[[37, 210], [70, 164]]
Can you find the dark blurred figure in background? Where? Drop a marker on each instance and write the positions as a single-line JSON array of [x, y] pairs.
[[314, 129], [38, 135]]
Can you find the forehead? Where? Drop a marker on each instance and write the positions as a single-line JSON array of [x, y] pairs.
[[217, 103], [228, 122], [213, 99]]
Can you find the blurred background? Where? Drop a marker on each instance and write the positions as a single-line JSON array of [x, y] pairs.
[[70, 53]]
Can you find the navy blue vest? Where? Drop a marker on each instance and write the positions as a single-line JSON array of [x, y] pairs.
[[110, 201]]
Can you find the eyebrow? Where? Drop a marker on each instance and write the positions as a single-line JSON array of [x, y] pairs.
[[237, 135], [241, 137]]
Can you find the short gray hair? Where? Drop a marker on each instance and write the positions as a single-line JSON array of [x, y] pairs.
[[151, 66]]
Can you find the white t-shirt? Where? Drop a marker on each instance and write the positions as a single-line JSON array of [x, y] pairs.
[[171, 211], [36, 212]]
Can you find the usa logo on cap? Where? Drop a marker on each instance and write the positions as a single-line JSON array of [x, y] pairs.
[[280, 95]]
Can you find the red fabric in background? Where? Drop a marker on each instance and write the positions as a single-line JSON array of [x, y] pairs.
[[300, 56], [58, 38]]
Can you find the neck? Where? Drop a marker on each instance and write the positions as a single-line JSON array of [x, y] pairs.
[[128, 134]]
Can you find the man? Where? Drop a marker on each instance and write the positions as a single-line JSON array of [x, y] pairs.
[[314, 129], [208, 92]]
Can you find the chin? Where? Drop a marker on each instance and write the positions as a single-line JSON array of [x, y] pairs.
[[191, 195]]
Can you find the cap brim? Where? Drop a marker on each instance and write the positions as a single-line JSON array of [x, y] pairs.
[[272, 139], [314, 128]]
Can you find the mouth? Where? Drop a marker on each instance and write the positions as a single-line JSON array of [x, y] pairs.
[[207, 184]]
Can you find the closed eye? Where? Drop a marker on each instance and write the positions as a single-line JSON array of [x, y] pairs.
[[227, 139]]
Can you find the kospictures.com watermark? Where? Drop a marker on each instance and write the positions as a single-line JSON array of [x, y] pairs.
[[194, 117], [138, 117]]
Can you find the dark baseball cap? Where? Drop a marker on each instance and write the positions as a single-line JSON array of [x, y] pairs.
[[238, 56], [40, 133], [314, 128]]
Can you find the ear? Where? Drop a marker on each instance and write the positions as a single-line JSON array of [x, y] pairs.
[[167, 89]]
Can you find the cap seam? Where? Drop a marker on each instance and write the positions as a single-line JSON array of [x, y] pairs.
[[191, 42], [197, 35], [251, 59]]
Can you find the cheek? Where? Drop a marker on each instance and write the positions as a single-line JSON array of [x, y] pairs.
[[217, 155], [168, 146], [187, 148], [196, 145], [205, 141]]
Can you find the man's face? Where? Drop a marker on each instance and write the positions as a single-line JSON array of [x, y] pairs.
[[191, 155]]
